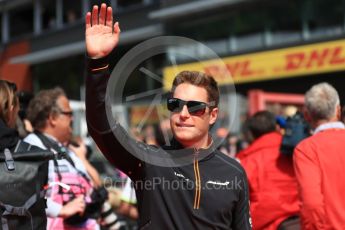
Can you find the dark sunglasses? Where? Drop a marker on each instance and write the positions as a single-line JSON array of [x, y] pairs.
[[67, 113], [195, 108]]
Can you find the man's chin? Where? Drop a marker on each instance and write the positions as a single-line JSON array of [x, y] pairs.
[[184, 140], [66, 139]]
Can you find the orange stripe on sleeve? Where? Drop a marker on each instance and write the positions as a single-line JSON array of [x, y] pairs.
[[100, 68]]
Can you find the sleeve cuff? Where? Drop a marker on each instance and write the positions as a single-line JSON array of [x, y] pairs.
[[97, 64]]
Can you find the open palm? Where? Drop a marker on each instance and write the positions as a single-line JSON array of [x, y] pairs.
[[101, 36]]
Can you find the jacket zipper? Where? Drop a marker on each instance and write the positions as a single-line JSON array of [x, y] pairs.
[[197, 181]]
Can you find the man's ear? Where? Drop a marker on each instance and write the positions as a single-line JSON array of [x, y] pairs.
[[213, 116], [52, 119], [338, 112]]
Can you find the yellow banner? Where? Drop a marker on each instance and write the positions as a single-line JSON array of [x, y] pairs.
[[145, 114], [276, 64]]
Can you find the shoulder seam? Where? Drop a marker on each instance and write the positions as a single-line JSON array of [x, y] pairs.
[[231, 164]]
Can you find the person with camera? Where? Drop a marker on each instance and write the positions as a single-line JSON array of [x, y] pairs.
[[216, 196], [51, 116]]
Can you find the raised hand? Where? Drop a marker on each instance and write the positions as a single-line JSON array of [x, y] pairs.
[[101, 36]]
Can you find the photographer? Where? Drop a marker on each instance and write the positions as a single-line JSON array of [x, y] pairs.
[[51, 116]]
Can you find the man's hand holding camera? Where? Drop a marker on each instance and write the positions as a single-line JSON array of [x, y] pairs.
[[75, 206]]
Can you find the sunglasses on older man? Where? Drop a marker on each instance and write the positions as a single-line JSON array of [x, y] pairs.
[[66, 113], [195, 108]]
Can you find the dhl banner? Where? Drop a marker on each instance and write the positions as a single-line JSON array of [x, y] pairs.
[[282, 63]]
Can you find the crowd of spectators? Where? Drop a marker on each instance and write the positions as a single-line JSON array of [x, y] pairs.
[[281, 189]]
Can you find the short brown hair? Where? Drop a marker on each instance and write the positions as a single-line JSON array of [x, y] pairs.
[[42, 105], [199, 79], [8, 98]]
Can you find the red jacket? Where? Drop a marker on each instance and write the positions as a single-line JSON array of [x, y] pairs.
[[272, 183], [320, 169]]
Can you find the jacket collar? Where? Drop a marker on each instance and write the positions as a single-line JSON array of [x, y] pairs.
[[177, 150]]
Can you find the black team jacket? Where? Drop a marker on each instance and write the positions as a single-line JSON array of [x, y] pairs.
[[209, 192]]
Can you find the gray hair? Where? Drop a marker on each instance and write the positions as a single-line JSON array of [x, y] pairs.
[[321, 101]]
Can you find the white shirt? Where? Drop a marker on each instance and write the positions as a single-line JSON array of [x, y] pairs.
[[329, 125]]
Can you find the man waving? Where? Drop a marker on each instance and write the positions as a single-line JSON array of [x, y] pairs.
[[211, 191]]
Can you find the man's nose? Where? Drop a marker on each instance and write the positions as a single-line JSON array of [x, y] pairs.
[[184, 112]]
